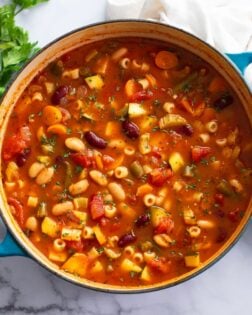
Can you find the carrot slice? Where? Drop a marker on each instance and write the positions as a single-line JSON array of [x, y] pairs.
[[166, 60], [57, 129], [51, 115]]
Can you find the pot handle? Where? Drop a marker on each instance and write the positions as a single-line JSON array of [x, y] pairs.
[[10, 247], [241, 60]]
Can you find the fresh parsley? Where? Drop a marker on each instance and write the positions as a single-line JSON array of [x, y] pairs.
[[15, 47]]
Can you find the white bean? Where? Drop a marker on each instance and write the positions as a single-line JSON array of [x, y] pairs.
[[45, 176], [35, 169], [98, 177], [117, 191], [75, 144], [79, 187], [62, 208]]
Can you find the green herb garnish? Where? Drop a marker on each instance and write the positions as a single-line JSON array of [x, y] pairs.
[[15, 48]]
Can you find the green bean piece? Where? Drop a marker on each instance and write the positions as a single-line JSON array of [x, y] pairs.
[[69, 174], [184, 83], [225, 188]]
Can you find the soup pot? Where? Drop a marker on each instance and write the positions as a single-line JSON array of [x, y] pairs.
[[15, 242]]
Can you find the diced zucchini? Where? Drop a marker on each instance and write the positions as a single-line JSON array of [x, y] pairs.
[[87, 116], [172, 120], [50, 227], [192, 260], [176, 161], [101, 238], [95, 82], [157, 215], [145, 275], [128, 266], [136, 169], [136, 110], [189, 217], [76, 264], [144, 143]]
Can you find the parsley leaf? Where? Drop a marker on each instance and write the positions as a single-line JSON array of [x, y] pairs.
[[15, 47]]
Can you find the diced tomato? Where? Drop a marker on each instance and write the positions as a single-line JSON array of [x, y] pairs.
[[166, 225], [141, 95], [85, 160], [19, 210], [159, 176], [219, 198], [97, 207], [198, 153], [75, 245], [17, 143], [160, 264], [234, 215]]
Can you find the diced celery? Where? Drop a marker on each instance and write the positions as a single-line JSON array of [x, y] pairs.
[[144, 143]]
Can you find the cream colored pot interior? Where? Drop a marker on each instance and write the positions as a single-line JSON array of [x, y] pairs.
[[95, 33]]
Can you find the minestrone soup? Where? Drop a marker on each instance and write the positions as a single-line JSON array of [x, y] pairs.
[[128, 161]]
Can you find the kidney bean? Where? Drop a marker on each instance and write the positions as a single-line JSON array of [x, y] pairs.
[[126, 239], [94, 140], [223, 101], [22, 157], [142, 220], [186, 130], [58, 94], [130, 129], [59, 160]]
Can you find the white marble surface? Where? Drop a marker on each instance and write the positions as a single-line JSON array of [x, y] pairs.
[[26, 288]]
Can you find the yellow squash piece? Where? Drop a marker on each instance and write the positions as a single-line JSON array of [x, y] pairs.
[[95, 82], [176, 161], [77, 264], [192, 260], [50, 227], [128, 265], [101, 238]]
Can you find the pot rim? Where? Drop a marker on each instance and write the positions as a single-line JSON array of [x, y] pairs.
[[115, 288]]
